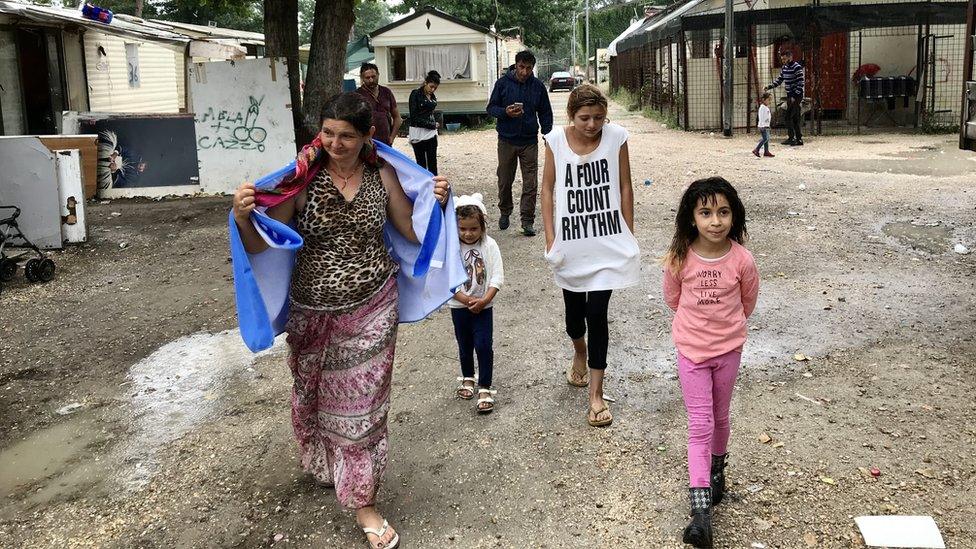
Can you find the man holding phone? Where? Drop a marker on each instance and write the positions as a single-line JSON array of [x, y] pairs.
[[520, 103]]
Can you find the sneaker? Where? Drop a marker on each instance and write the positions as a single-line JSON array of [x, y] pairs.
[[797, 143], [756, 152], [788, 142], [527, 230], [768, 154], [503, 222]]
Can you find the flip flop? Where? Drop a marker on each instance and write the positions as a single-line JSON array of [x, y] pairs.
[[593, 413], [574, 380]]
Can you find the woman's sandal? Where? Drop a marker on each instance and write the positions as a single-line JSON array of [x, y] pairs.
[[393, 543], [486, 400], [594, 413], [465, 392]]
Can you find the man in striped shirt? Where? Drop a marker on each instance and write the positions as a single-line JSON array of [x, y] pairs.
[[792, 75]]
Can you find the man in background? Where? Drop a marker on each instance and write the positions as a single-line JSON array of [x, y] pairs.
[[386, 116], [520, 103], [792, 75]]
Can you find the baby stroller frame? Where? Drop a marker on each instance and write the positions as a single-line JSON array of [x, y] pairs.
[[38, 269]]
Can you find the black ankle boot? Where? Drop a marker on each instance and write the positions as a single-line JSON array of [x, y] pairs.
[[698, 533], [717, 478]]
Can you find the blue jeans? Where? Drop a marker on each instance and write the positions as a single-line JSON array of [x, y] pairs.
[[474, 335], [764, 140]]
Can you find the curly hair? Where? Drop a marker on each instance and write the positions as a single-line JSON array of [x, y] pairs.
[[702, 192]]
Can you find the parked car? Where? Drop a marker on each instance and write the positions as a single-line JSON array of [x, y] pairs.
[[561, 81]]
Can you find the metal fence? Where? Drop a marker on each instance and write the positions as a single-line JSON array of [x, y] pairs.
[[680, 75]]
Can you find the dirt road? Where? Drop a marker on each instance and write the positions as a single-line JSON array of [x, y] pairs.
[[181, 438]]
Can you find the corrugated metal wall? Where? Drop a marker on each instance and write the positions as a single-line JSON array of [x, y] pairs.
[[108, 81]]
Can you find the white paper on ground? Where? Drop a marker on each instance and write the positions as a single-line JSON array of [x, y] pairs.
[[900, 531]]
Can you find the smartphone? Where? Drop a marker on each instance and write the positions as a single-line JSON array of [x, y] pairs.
[[517, 105]]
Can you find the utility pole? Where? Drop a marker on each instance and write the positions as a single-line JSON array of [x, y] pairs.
[[587, 39], [596, 64], [727, 73], [572, 62]]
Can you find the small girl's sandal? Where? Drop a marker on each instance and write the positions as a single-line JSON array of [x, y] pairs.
[[465, 392], [393, 543], [485, 401]]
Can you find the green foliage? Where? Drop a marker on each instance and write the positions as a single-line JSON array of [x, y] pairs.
[[370, 15], [605, 25], [669, 117], [306, 15], [247, 15], [546, 23], [631, 102], [128, 7], [624, 97]]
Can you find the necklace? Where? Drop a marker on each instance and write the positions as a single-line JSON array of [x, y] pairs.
[[345, 178]]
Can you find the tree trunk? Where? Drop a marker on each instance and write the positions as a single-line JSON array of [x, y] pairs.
[[327, 58], [281, 40], [138, 10]]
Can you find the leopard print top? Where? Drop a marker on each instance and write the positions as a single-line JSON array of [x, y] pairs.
[[344, 261]]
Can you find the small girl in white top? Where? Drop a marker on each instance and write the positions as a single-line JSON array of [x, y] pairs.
[[471, 306], [588, 211], [764, 117]]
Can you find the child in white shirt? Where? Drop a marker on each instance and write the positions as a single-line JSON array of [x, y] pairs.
[[471, 307], [764, 118]]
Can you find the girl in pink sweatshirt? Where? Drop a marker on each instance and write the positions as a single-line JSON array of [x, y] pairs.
[[711, 283]]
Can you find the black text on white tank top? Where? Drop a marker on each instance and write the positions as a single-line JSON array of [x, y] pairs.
[[590, 210]]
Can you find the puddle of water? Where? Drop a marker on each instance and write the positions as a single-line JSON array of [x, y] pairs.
[[167, 394], [919, 161], [933, 239], [44, 453], [176, 388]]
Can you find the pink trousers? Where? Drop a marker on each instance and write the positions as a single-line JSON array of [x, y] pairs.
[[707, 389]]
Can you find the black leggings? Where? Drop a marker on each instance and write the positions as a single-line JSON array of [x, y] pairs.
[[426, 153], [588, 310]]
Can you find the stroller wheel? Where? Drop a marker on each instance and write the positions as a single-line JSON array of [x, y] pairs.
[[30, 269], [45, 270], [8, 269]]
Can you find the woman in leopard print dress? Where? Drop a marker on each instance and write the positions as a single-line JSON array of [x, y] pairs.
[[343, 318]]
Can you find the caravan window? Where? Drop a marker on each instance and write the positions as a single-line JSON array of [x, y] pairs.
[[412, 63], [398, 64]]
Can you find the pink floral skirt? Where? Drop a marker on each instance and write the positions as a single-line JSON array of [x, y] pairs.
[[342, 364]]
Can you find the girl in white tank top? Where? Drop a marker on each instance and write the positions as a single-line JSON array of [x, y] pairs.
[[588, 213]]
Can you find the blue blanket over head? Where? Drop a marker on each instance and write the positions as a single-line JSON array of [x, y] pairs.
[[429, 271]]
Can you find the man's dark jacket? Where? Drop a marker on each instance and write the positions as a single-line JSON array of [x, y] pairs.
[[532, 93]]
